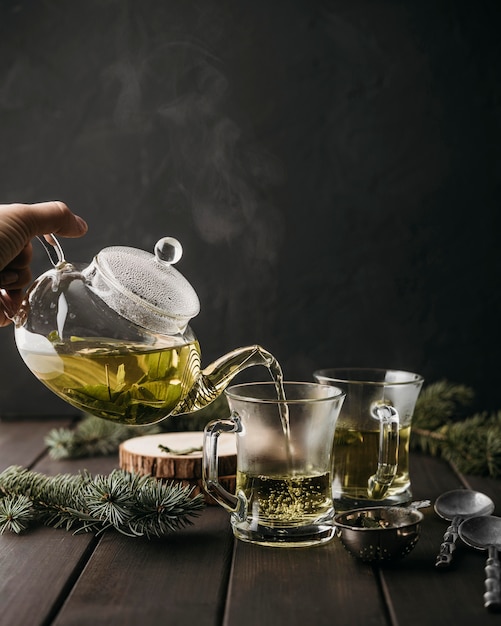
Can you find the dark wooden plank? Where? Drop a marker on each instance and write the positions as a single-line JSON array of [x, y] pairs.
[[330, 581], [489, 486], [418, 592], [180, 579], [38, 566], [21, 442], [94, 465], [321, 585], [36, 569], [431, 476]]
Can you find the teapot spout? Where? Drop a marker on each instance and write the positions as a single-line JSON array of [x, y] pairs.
[[214, 379]]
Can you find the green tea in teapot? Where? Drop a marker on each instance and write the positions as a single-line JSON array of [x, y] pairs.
[[113, 339], [123, 382]]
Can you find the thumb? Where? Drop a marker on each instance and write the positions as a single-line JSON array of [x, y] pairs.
[[54, 217]]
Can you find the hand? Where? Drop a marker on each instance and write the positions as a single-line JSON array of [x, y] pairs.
[[19, 223]]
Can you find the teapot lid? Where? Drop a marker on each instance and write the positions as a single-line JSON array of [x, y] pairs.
[[145, 288]]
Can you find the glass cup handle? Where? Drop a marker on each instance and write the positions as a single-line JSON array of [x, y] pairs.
[[236, 504], [379, 482]]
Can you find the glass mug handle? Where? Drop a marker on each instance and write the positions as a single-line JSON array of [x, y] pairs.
[[379, 482], [235, 504]]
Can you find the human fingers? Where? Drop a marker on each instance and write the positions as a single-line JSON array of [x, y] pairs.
[[17, 273], [15, 279], [53, 217], [19, 223], [23, 259]]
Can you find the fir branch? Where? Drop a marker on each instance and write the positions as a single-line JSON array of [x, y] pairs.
[[16, 514], [494, 452], [440, 403], [110, 499], [160, 509], [426, 440], [474, 445], [93, 436], [442, 427], [180, 451], [131, 504]]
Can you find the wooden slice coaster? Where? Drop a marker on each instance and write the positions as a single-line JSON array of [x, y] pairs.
[[144, 456]]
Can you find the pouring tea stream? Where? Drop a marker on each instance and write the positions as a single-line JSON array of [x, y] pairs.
[[113, 338]]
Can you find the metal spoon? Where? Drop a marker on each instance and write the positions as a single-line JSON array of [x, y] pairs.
[[485, 533], [456, 506]]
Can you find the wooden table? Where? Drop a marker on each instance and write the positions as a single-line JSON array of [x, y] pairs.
[[201, 576]]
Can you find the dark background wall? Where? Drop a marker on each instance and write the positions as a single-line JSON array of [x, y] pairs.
[[332, 169]]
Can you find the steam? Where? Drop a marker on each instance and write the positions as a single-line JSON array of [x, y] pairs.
[[218, 169], [198, 147], [223, 171]]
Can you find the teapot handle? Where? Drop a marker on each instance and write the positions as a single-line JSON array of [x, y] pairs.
[[54, 246], [235, 504], [6, 306]]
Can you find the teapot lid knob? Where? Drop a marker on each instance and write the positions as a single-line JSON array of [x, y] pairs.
[[168, 250]]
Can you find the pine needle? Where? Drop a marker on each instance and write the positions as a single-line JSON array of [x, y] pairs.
[[93, 436], [131, 504], [440, 403], [442, 427], [474, 445], [16, 514]]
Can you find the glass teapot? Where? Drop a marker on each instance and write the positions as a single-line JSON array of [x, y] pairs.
[[112, 338]]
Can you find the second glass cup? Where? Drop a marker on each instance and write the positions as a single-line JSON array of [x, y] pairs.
[[371, 444]]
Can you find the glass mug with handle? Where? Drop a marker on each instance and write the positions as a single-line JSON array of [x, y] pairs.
[[371, 444], [283, 487]]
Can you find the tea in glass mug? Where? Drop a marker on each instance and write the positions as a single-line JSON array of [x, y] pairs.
[[371, 443], [284, 444]]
